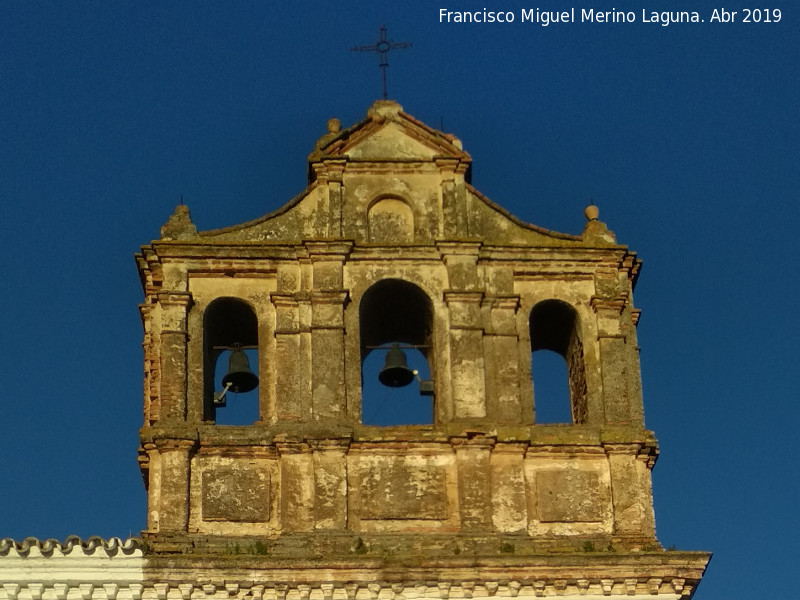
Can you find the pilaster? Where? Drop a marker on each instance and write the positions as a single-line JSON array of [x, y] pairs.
[[173, 338], [631, 492], [297, 487], [474, 481], [172, 474], [467, 366], [292, 361], [328, 300], [622, 405], [330, 484], [500, 342], [509, 501]]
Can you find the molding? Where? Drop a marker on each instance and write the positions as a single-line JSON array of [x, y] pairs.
[[114, 584]]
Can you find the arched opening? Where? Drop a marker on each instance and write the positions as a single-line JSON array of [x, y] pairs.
[[559, 381], [230, 358], [396, 314]]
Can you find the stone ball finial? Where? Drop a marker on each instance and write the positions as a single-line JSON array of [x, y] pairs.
[[334, 125], [596, 230]]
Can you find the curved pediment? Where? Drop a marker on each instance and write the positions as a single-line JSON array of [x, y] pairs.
[[388, 180]]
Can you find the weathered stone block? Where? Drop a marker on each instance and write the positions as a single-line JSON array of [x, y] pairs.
[[394, 489], [236, 494], [568, 495]]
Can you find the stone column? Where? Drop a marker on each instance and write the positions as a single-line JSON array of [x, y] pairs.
[[173, 339]]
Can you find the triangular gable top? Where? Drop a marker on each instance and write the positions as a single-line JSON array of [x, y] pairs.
[[389, 134]]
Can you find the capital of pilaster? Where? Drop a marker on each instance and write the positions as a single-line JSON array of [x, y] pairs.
[[328, 249], [463, 297], [330, 445], [329, 170], [292, 448], [511, 448], [329, 296], [612, 305], [646, 452], [282, 300], [449, 167], [510, 302], [174, 445], [611, 448], [175, 299], [473, 442], [461, 248]]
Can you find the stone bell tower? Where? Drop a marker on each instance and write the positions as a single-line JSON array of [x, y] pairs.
[[390, 248]]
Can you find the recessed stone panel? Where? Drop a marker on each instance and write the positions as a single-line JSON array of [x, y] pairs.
[[568, 496], [393, 489], [236, 494]]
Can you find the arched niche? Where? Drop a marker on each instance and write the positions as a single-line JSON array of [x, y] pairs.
[[391, 221], [228, 323], [395, 311], [554, 332]]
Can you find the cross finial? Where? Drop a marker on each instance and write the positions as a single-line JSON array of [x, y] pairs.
[[382, 46]]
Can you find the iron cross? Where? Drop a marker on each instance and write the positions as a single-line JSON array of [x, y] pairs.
[[382, 46]]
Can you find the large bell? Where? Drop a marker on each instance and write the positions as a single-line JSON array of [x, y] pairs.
[[239, 375], [395, 372]]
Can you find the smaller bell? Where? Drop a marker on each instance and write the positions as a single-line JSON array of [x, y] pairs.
[[395, 372], [239, 375]]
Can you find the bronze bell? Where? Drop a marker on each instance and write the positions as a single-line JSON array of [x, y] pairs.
[[239, 375], [395, 372]]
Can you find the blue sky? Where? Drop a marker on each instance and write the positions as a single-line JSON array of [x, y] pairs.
[[686, 137]]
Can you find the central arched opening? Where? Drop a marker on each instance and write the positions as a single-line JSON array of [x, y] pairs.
[[395, 315]]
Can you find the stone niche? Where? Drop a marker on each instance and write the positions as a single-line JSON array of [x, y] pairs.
[[391, 221]]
